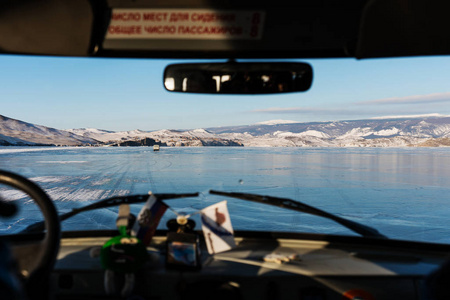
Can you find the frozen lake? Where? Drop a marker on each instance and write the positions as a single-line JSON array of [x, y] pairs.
[[404, 193]]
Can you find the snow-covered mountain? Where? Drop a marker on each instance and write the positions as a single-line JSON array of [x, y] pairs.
[[383, 132], [426, 127], [8, 141], [196, 137], [276, 122], [429, 131], [107, 136], [19, 133]]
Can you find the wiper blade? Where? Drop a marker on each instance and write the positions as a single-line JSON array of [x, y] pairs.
[[364, 230], [114, 201]]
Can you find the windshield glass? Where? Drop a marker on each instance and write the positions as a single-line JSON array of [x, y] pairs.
[[368, 142]]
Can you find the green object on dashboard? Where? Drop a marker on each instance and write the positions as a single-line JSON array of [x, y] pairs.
[[123, 253]]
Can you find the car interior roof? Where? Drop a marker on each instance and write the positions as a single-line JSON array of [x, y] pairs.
[[300, 29]]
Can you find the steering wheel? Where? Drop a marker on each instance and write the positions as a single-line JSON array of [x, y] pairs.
[[37, 279]]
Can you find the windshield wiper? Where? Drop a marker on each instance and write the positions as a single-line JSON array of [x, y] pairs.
[[114, 201], [364, 230]]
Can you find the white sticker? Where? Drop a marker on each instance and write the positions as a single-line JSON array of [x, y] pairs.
[[203, 24], [217, 229]]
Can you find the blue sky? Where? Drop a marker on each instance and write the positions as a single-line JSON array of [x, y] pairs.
[[128, 94]]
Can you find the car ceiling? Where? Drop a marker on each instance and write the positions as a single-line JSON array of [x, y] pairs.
[[308, 29]]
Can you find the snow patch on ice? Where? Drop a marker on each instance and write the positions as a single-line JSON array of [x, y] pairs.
[[62, 162], [7, 149], [11, 194], [101, 181], [66, 194], [50, 179]]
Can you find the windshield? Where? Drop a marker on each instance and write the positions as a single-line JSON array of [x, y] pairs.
[[368, 142]]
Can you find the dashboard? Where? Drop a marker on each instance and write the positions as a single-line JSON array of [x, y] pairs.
[[325, 267]]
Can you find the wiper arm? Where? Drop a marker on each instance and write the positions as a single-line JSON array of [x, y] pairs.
[[364, 230], [114, 201]]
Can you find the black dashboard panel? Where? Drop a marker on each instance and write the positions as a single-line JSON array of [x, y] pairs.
[[325, 270]]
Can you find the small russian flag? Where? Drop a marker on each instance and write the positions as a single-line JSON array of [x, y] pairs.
[[148, 219]]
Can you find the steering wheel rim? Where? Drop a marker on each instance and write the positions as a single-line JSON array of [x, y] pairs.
[[51, 241]]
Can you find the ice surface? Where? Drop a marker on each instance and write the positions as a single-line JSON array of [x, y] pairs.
[[403, 192]]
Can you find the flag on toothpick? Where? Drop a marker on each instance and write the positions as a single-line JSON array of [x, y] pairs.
[[217, 229], [148, 219]]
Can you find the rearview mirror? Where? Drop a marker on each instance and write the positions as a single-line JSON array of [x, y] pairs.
[[238, 78]]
